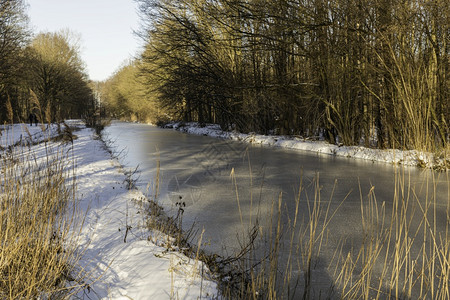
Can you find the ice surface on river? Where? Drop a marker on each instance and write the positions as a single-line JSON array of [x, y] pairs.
[[410, 158]]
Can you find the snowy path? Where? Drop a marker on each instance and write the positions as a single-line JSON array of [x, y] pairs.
[[137, 269]]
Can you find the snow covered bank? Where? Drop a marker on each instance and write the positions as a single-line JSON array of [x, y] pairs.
[[121, 259], [26, 134], [131, 262], [411, 158]]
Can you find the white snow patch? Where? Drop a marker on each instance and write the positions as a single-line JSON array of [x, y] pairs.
[[26, 134]]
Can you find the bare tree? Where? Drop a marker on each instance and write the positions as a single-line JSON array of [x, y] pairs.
[[13, 37], [57, 76], [356, 70]]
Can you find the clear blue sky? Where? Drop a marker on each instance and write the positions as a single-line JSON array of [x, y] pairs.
[[106, 29]]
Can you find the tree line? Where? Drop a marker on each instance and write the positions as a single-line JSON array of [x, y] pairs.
[[372, 72], [40, 74], [123, 95]]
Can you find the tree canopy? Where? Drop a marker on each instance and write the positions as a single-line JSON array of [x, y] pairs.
[[57, 75], [124, 95], [41, 74]]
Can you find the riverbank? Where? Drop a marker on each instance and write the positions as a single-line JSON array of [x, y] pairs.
[[118, 256], [392, 156]]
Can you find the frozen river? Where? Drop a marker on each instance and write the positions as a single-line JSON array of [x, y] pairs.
[[227, 185]]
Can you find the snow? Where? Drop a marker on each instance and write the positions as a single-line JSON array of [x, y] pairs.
[[392, 156], [122, 259], [12, 134]]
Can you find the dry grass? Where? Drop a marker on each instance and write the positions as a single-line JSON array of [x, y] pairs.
[[37, 252], [404, 254], [402, 251], [279, 263]]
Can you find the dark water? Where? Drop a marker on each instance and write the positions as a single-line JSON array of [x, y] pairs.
[[226, 186]]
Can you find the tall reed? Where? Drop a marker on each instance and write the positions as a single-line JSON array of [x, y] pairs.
[[37, 251], [400, 248], [405, 253]]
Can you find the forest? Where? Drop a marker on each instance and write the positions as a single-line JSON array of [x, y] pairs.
[[40, 74], [364, 72]]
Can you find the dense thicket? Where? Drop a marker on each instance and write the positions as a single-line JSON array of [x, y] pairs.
[[42, 74], [362, 70]]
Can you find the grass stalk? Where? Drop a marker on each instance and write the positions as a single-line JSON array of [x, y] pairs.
[[37, 253]]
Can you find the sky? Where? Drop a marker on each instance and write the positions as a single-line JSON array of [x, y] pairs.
[[105, 28]]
